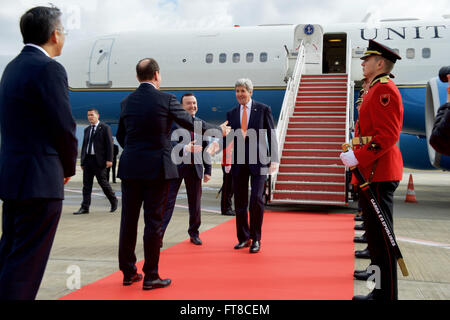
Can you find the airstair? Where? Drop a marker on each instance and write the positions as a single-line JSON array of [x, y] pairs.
[[314, 122]]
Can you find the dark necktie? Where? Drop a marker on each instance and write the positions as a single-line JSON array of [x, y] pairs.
[[90, 139], [192, 154]]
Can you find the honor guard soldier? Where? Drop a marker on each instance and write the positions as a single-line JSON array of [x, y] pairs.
[[379, 159]]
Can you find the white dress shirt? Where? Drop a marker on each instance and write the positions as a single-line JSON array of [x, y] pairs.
[[90, 129], [38, 47]]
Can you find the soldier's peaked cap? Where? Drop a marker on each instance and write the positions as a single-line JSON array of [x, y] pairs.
[[378, 49]]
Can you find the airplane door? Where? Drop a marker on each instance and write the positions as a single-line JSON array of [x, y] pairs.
[[99, 63], [312, 36]]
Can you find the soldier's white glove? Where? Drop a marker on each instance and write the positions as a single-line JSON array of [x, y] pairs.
[[348, 159]]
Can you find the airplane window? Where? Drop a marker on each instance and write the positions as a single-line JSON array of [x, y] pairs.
[[236, 57], [396, 51], [263, 57], [410, 53], [250, 57], [426, 53], [209, 58], [223, 58]]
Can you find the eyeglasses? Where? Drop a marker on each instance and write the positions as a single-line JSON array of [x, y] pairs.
[[63, 31]]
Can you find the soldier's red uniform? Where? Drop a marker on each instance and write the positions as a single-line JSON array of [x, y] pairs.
[[381, 117]]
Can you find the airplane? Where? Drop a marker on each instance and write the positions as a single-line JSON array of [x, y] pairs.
[[101, 70]]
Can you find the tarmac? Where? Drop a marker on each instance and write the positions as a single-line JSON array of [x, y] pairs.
[[86, 246]]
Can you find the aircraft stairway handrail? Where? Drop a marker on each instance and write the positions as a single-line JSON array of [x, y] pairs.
[[349, 116], [287, 108]]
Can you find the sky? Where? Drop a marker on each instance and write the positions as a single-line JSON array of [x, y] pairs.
[[86, 18]]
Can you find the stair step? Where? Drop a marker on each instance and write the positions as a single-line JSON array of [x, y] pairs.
[[321, 103], [316, 90], [300, 168], [302, 186], [320, 80], [319, 139], [305, 195], [311, 145], [303, 92], [325, 75], [310, 161], [315, 119], [311, 153], [309, 202], [324, 85], [311, 177], [315, 131], [320, 108], [318, 113], [301, 98], [305, 125]]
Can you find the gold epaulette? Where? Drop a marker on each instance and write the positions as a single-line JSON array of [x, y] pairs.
[[357, 141], [384, 79]]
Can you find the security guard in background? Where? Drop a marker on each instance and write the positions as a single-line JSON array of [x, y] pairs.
[[379, 159]]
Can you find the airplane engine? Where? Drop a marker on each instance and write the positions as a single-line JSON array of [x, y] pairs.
[[435, 97]]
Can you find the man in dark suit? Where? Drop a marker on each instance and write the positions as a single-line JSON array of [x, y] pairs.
[[255, 156], [146, 167], [191, 171], [112, 169], [226, 200], [38, 153], [96, 157]]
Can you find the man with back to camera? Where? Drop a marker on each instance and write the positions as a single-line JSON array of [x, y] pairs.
[[440, 135], [38, 152], [191, 171], [146, 168], [379, 159], [96, 157]]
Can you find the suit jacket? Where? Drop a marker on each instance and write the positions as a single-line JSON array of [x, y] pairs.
[[144, 133], [266, 146], [202, 160], [103, 144], [440, 135], [39, 146]]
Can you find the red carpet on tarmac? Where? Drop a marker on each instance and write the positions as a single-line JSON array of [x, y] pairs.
[[304, 256]]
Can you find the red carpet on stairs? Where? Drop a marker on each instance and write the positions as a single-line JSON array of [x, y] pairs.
[[303, 256]]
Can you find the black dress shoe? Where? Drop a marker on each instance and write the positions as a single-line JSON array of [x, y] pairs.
[[157, 283], [361, 275], [370, 296], [362, 239], [229, 213], [256, 245], [360, 227], [244, 244], [114, 205], [128, 280], [81, 211], [365, 254], [359, 218], [196, 241]]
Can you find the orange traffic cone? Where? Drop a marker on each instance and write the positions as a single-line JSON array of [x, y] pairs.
[[410, 194]]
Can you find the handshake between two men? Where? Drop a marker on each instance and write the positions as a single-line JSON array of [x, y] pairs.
[[230, 137]]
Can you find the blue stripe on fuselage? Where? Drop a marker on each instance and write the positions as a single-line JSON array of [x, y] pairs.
[[214, 104]]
